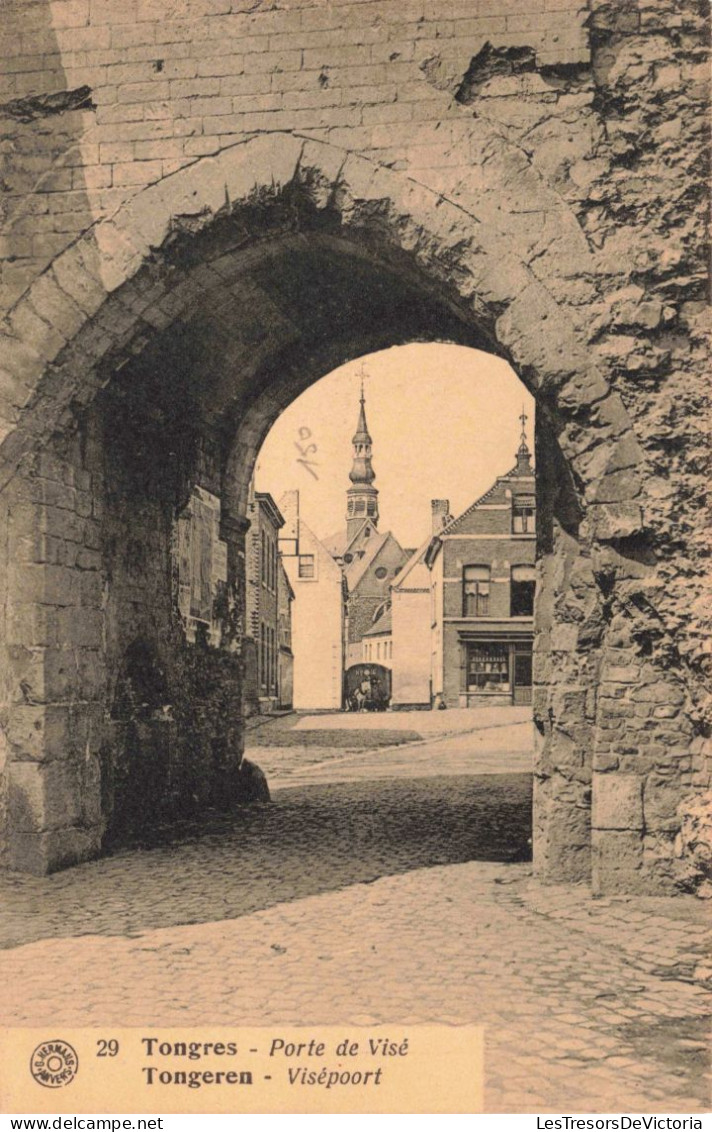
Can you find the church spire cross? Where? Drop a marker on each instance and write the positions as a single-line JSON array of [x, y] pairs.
[[362, 374], [524, 467], [362, 496], [362, 437]]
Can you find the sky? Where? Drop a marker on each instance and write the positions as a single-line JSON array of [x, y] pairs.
[[444, 421]]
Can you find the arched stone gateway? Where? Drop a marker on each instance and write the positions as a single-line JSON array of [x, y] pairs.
[[149, 361]]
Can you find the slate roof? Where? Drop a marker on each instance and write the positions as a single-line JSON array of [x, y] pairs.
[[382, 625]]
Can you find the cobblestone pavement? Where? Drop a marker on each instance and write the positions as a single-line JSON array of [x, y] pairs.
[[573, 1021], [399, 900], [311, 840]]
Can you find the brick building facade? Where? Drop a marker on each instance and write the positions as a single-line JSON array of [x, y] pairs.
[[482, 566], [265, 608]]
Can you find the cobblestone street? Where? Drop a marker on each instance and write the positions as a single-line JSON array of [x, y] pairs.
[[395, 900]]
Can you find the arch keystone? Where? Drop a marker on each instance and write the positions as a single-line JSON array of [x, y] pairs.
[[269, 160]]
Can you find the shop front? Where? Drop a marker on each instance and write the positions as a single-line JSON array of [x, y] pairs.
[[495, 669]]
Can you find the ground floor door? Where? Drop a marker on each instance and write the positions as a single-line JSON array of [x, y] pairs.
[[522, 691]]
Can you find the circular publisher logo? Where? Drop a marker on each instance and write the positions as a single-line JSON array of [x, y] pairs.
[[54, 1063]]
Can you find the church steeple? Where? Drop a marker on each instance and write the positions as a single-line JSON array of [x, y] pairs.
[[362, 496], [524, 464]]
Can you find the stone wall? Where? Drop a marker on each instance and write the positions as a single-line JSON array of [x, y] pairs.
[[54, 670], [279, 190], [118, 716]]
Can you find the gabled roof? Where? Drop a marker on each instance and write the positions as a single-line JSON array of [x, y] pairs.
[[335, 544], [416, 556], [355, 571], [339, 543], [512, 476]]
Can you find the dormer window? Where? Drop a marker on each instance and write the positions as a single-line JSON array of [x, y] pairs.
[[523, 517]]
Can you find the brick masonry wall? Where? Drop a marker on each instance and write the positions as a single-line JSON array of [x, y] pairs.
[[500, 556], [544, 166], [173, 81]]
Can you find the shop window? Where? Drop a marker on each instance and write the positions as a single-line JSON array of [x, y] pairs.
[[522, 591], [487, 668], [475, 591]]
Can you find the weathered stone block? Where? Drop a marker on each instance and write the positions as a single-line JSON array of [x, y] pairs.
[[616, 520], [43, 797], [617, 858], [617, 802], [55, 306], [561, 841], [661, 799], [44, 584], [43, 853], [80, 627], [270, 159], [604, 761], [31, 624], [621, 674], [39, 732]]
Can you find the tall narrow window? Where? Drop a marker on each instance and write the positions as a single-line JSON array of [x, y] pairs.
[[475, 591], [522, 591], [306, 565], [523, 516]]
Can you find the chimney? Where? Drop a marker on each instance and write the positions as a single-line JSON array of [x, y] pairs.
[[440, 510]]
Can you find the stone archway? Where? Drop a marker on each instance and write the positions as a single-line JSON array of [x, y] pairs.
[[91, 348]]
